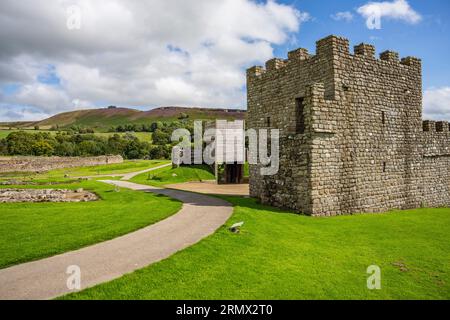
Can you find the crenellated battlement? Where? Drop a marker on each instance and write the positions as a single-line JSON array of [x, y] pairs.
[[436, 126], [255, 71], [411, 61], [300, 54], [429, 126], [275, 64], [442, 126], [435, 139], [328, 49], [365, 50], [390, 56]]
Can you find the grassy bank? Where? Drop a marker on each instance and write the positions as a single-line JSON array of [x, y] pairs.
[[170, 175]]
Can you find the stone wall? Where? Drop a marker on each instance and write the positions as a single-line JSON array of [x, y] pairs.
[[42, 164], [45, 195], [362, 145]]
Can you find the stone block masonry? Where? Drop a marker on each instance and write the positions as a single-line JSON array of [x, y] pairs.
[[42, 164], [45, 195], [352, 135]]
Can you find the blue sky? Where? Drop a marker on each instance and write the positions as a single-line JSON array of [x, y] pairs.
[[145, 54], [428, 39]]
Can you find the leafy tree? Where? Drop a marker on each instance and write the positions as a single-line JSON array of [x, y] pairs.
[[156, 125], [160, 152], [160, 137], [65, 149], [89, 148], [3, 147], [183, 116], [20, 143], [42, 148], [116, 144], [135, 149]]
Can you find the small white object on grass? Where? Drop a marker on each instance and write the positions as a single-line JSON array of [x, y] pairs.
[[236, 228]]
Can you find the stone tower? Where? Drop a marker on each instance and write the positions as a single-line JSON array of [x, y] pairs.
[[352, 137]]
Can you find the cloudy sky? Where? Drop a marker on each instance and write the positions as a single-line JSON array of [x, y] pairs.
[[59, 55]]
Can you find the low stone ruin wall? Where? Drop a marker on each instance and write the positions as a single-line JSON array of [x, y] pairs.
[[42, 164], [45, 195], [14, 182]]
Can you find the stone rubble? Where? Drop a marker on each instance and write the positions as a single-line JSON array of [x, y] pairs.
[[45, 195]]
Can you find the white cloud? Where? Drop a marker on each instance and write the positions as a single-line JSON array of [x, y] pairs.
[[138, 53], [346, 16], [397, 10], [46, 98], [437, 103], [20, 113], [305, 16]]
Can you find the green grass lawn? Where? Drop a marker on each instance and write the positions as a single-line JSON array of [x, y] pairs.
[[30, 231], [280, 255], [126, 167], [169, 175], [109, 169], [4, 133], [143, 136]]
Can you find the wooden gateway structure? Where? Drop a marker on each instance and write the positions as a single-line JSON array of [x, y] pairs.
[[229, 151]]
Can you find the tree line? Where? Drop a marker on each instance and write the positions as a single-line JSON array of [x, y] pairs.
[[161, 130], [165, 126], [69, 144]]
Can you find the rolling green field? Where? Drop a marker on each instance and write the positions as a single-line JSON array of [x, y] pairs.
[[280, 255], [5, 133], [143, 136], [30, 231], [169, 175]]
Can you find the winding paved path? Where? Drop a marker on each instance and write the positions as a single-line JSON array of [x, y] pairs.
[[129, 176], [126, 176], [199, 217]]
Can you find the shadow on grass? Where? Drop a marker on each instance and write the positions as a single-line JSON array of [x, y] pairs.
[[253, 203]]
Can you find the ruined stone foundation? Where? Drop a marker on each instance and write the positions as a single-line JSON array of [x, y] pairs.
[[42, 164]]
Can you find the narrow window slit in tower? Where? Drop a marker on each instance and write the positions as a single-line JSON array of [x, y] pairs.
[[383, 117], [300, 108], [384, 166], [269, 122]]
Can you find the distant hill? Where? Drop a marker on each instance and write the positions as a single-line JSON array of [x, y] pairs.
[[18, 124], [103, 119]]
